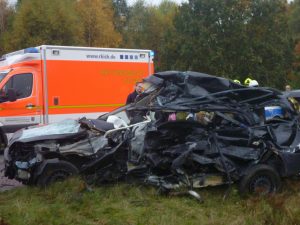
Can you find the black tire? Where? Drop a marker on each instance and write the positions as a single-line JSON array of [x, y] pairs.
[[260, 180], [3, 143], [55, 172]]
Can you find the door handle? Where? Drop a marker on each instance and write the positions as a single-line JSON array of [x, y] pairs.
[[30, 105]]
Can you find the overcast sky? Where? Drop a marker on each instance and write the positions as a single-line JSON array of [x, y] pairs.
[[154, 2], [131, 2], [157, 2]]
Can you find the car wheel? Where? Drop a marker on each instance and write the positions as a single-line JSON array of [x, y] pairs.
[[2, 144], [260, 180], [56, 172]]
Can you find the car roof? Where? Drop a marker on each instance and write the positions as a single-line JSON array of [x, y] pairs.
[[293, 93]]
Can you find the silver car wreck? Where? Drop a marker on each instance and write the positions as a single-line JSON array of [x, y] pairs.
[[187, 129]]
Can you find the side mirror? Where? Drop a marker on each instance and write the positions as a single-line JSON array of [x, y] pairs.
[[11, 95]]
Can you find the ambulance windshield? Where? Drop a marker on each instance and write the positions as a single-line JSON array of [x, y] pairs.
[[3, 74]]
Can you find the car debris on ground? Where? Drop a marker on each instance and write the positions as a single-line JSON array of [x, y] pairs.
[[187, 130]]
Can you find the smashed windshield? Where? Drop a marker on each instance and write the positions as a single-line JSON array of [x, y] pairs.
[[65, 127]]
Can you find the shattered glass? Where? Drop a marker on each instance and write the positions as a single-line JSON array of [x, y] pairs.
[[65, 127]]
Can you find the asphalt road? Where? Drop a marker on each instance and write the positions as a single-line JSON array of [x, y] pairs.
[[5, 183]]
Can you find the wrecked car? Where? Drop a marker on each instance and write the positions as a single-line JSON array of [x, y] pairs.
[[187, 130], [295, 94]]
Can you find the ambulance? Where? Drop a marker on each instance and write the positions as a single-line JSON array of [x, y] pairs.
[[47, 84]]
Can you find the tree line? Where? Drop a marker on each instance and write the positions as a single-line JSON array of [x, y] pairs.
[[236, 39]]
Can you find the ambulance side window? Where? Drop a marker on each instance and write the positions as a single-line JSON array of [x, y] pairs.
[[21, 83]]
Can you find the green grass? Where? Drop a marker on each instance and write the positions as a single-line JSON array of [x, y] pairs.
[[71, 203]]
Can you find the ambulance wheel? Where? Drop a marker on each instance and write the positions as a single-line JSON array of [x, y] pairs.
[[260, 180], [56, 172]]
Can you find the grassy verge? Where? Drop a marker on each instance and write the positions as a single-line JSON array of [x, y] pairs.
[[71, 203]]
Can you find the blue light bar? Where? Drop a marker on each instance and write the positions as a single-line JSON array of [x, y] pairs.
[[31, 50]]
